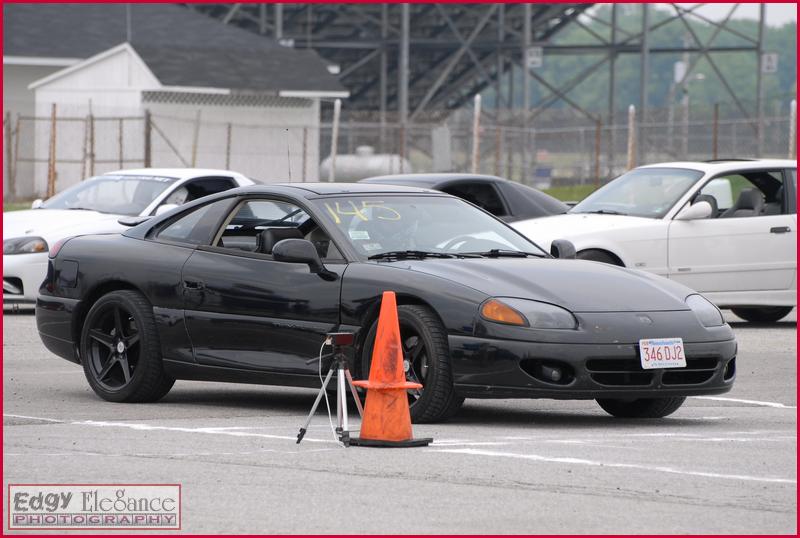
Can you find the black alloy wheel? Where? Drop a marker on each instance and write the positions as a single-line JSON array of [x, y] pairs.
[[120, 349], [426, 360]]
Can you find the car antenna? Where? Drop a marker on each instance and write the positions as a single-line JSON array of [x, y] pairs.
[[288, 155]]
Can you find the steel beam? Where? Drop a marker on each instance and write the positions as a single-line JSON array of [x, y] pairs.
[[402, 89]]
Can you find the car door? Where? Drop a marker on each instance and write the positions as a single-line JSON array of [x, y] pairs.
[[738, 250], [245, 310]]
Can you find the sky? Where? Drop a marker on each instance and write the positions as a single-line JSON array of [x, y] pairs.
[[777, 14]]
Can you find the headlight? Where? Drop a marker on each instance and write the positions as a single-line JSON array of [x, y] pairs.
[[708, 314], [24, 245], [526, 313]]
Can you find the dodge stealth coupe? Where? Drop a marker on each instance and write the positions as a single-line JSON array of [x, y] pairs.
[[243, 286]]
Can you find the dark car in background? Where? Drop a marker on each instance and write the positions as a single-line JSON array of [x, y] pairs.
[[502, 198]]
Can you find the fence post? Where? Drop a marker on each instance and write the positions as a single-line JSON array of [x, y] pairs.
[[715, 132], [148, 140], [792, 130], [120, 138], [476, 134], [196, 136], [85, 147], [305, 153], [91, 144], [9, 135], [631, 137], [12, 181], [402, 142], [498, 149], [51, 156], [337, 110], [598, 126], [228, 137]]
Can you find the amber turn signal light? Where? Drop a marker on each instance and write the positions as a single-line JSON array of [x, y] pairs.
[[494, 310]]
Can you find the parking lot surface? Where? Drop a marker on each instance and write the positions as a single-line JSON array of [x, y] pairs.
[[722, 464]]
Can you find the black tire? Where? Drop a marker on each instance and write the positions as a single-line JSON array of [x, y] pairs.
[[437, 401], [641, 408], [123, 318], [597, 256], [764, 314]]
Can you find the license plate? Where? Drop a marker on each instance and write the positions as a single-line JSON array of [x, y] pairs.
[[662, 353]]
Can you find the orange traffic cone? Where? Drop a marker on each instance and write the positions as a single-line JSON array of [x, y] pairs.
[[387, 419]]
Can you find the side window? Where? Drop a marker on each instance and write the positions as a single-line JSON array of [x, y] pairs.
[[257, 225], [483, 195], [197, 188], [749, 194], [197, 226]]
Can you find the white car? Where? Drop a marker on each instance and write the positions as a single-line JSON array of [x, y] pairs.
[[94, 206], [727, 229]]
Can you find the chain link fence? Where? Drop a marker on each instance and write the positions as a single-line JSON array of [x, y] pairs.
[[44, 155]]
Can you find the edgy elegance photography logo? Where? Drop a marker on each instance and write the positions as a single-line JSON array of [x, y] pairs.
[[94, 506]]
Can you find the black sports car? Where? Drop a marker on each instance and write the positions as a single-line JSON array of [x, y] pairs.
[[502, 198], [243, 286]]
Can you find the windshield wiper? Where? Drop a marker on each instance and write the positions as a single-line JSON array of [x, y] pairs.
[[604, 212], [502, 253], [408, 254]]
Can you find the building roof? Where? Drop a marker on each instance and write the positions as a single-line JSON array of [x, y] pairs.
[[181, 48]]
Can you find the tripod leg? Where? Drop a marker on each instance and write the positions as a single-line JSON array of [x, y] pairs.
[[314, 407], [355, 393], [341, 395]]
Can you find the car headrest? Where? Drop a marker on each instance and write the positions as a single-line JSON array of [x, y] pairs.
[[750, 199], [265, 241], [711, 201]]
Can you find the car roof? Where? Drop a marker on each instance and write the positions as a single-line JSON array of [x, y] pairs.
[[313, 190], [428, 179], [177, 173], [722, 166]]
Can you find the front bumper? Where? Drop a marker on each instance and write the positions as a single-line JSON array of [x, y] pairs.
[[493, 368], [22, 276]]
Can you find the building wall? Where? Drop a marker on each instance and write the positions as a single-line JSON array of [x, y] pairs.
[[19, 100]]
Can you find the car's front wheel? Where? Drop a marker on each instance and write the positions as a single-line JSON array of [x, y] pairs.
[[120, 349], [426, 360], [765, 314], [641, 407]]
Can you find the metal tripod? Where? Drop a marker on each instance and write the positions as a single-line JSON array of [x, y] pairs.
[[342, 374]]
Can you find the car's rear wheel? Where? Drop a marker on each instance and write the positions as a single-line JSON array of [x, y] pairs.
[[120, 349], [641, 407], [597, 256], [764, 314], [426, 360]]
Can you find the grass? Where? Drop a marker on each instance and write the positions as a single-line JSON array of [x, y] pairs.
[[571, 193], [15, 206]]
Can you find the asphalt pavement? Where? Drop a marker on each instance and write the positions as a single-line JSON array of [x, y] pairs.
[[718, 465]]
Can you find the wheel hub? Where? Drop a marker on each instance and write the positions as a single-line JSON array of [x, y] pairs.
[[406, 365], [120, 347]]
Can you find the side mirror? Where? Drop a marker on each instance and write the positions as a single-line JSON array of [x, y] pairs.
[[163, 208], [301, 251], [562, 249], [696, 211], [36, 204]]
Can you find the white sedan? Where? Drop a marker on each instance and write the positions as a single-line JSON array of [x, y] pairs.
[[726, 228], [94, 206]]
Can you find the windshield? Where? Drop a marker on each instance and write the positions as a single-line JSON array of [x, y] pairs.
[[436, 224], [118, 194], [643, 192]]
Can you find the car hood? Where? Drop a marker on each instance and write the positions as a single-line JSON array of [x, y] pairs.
[[580, 286], [55, 224], [544, 230]]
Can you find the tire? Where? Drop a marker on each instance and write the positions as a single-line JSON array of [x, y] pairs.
[[437, 401], [764, 314], [597, 256], [641, 408], [106, 355]]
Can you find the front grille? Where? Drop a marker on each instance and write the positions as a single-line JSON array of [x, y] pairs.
[[12, 285], [629, 372]]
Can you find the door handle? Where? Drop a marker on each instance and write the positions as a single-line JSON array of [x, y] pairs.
[[193, 285], [779, 230]]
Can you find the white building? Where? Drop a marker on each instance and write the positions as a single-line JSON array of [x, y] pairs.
[[248, 103]]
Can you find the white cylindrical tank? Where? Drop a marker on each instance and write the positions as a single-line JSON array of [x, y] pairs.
[[364, 163]]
